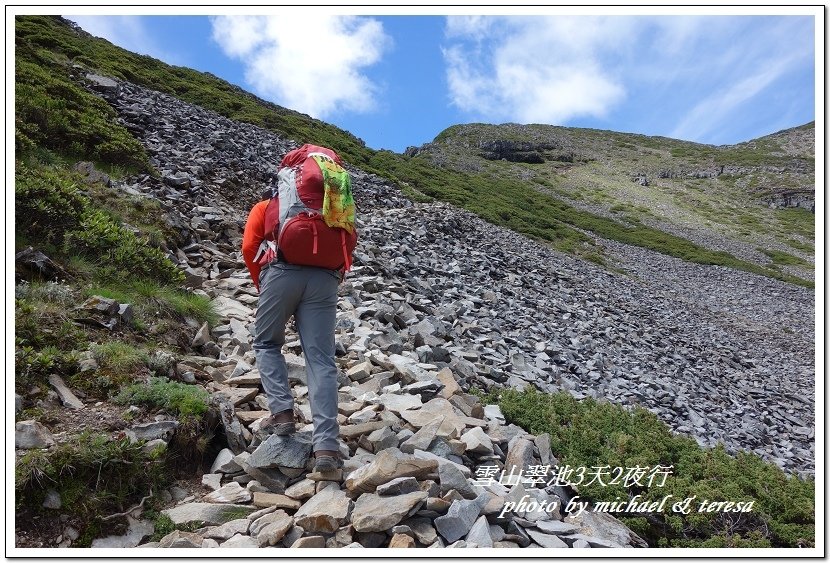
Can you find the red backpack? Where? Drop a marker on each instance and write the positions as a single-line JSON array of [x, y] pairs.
[[310, 221]]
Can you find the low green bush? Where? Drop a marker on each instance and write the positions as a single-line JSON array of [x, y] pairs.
[[160, 393], [126, 255], [52, 112], [802, 246], [47, 203], [51, 209], [592, 434]]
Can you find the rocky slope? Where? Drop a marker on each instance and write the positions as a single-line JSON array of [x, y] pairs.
[[447, 303]]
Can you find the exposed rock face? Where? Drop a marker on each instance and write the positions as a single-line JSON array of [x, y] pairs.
[[429, 311]]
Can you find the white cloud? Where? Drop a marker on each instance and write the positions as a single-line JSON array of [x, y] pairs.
[[310, 63], [682, 76], [744, 67], [128, 32], [714, 110], [539, 69]]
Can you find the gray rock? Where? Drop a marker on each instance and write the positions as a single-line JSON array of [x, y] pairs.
[[103, 84], [374, 513], [273, 479], [399, 486], [202, 336], [232, 493], [100, 305], [271, 528], [52, 500], [137, 531], [383, 438], [556, 527], [398, 403], [605, 526], [224, 462], [239, 541], [290, 452], [591, 540], [30, 434], [425, 390], [451, 478], [479, 534], [542, 442], [154, 445], [66, 395], [292, 536], [212, 480], [428, 456], [301, 490], [388, 464], [325, 512], [423, 530], [477, 441], [458, 520], [209, 513], [163, 429], [545, 540], [228, 529], [310, 542], [519, 456], [423, 437]]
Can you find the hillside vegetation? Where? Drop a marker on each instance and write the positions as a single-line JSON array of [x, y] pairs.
[[566, 167]]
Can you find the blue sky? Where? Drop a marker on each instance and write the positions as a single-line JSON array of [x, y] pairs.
[[399, 80]]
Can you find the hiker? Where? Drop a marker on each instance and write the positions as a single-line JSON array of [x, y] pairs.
[[300, 277]]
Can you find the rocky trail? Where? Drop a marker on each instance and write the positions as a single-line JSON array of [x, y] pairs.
[[439, 302]]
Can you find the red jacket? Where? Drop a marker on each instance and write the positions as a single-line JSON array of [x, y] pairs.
[[252, 238]]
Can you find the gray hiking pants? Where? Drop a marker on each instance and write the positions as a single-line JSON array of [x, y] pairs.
[[310, 294]]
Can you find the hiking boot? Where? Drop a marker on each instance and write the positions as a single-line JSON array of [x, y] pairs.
[[271, 426], [327, 463]]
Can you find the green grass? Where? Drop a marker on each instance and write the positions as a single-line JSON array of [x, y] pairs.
[[588, 433], [785, 259], [797, 221], [153, 300], [119, 356], [802, 246]]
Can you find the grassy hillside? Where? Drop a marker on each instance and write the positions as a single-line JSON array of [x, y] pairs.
[[666, 184], [582, 165]]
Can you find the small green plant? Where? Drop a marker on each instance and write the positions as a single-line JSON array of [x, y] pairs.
[[33, 367], [172, 396], [803, 247], [162, 524]]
